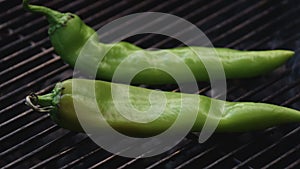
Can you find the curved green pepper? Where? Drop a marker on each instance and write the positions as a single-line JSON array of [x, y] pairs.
[[68, 34], [237, 116]]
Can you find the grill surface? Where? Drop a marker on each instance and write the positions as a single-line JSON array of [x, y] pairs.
[[28, 63]]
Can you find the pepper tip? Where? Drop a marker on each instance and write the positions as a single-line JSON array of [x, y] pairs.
[[25, 4]]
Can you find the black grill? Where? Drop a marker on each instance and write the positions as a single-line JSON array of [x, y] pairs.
[[28, 63]]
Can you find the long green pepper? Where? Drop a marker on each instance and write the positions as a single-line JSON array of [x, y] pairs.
[[237, 116], [68, 34]]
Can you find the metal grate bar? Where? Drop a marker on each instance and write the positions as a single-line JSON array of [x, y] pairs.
[[45, 89], [9, 11], [127, 11], [265, 85], [247, 22], [106, 11], [20, 52], [22, 39], [285, 155], [14, 118], [226, 156], [133, 160], [42, 118], [142, 17], [30, 36], [36, 22], [241, 147], [286, 27], [203, 8], [187, 145], [71, 164], [59, 70], [11, 106], [91, 7], [19, 8], [22, 101], [196, 157], [163, 160], [40, 20], [57, 155], [7, 71], [281, 90], [102, 162], [202, 90], [38, 120], [294, 164], [31, 84], [216, 27], [197, 23], [31, 25], [293, 38], [109, 158], [36, 151], [242, 25], [39, 135], [291, 100], [267, 148], [264, 26], [260, 87], [130, 162], [28, 72], [235, 17]]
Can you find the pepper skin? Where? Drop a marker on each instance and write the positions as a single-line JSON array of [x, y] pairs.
[[237, 116], [68, 34]]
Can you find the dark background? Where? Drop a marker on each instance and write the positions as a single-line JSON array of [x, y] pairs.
[[28, 63]]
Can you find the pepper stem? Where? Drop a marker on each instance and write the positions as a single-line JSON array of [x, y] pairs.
[[52, 15], [45, 103], [31, 101]]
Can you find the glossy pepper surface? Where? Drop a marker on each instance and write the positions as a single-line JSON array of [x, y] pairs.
[[237, 116], [68, 34]]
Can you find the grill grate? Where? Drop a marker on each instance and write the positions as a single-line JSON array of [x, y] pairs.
[[28, 63]]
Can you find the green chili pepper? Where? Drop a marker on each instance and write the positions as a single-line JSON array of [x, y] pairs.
[[237, 116], [68, 34]]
